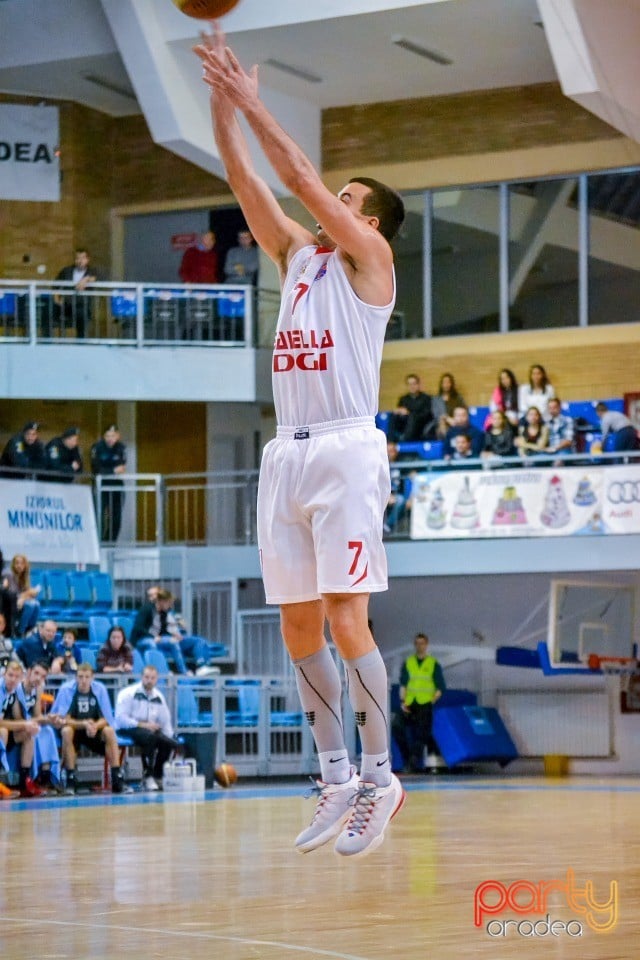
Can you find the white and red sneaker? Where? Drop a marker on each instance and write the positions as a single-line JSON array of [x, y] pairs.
[[371, 810], [333, 809]]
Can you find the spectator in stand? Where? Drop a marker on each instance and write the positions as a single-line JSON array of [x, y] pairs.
[[462, 455], [505, 398], [8, 601], [40, 647], [85, 719], [536, 393], [444, 403], [200, 261], [69, 651], [533, 435], [116, 656], [17, 730], [63, 455], [23, 452], [18, 583], [498, 439], [618, 431], [462, 424], [156, 625], [109, 459], [46, 758], [397, 500], [6, 644], [241, 262], [74, 309], [143, 715], [561, 429], [413, 419]]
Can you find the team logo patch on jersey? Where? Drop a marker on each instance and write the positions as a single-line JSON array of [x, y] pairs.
[[321, 272]]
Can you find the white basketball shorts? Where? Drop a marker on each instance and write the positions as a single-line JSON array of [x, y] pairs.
[[322, 495]]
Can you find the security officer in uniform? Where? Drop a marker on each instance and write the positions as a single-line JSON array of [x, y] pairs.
[[63, 455], [421, 685], [108, 459], [24, 450]]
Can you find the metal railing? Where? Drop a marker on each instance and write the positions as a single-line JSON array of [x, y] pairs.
[[129, 314]]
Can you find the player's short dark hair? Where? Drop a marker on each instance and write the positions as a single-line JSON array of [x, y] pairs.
[[384, 203]]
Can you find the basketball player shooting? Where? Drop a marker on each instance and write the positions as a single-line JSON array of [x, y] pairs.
[[324, 479]]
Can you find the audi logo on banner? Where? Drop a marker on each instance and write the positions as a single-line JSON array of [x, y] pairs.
[[624, 491]]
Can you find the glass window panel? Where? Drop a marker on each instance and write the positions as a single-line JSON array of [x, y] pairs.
[[407, 320], [614, 250], [465, 261], [543, 254]]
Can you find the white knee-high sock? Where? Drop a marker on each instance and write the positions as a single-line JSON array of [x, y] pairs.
[[320, 692], [368, 693]]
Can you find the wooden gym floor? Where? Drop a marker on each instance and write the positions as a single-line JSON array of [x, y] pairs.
[[148, 876]]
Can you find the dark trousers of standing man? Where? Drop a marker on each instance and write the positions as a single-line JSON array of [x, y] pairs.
[[156, 749], [111, 500], [412, 733]]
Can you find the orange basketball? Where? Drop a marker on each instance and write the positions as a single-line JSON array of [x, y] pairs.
[[205, 9], [226, 775]]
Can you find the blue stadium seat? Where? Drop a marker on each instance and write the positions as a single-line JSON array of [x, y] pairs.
[[80, 594], [478, 416], [156, 658], [383, 421], [56, 596], [102, 591], [138, 661], [428, 450], [89, 655], [248, 693], [99, 627]]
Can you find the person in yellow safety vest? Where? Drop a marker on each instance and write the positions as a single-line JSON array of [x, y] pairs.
[[421, 685]]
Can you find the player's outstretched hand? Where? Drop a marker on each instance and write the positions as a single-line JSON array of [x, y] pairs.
[[222, 71]]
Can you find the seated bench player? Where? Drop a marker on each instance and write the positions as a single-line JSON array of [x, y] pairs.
[[85, 719]]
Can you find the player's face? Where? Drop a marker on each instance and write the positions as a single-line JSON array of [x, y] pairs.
[[30, 436], [353, 196], [84, 678], [37, 676], [111, 437], [12, 678]]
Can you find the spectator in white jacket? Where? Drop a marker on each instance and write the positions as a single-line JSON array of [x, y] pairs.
[[142, 715]]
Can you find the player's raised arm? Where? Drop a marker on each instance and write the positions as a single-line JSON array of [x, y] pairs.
[[275, 233]]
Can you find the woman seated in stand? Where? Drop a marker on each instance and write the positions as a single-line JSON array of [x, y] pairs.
[[505, 398], [537, 392], [18, 582], [445, 402], [498, 439], [116, 656], [533, 436]]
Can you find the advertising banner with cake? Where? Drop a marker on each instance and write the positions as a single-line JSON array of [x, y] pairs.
[[576, 501]]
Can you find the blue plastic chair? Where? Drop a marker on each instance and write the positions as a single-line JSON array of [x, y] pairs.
[[102, 591], [90, 655], [156, 658], [80, 595], [99, 627], [57, 595], [138, 661]]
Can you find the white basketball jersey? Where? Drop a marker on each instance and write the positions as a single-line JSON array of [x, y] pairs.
[[328, 347]]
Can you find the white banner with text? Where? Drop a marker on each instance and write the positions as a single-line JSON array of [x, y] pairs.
[[53, 523], [29, 164], [592, 501]]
